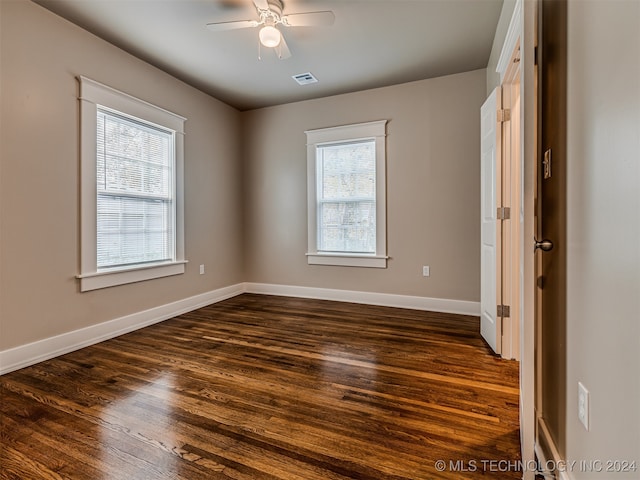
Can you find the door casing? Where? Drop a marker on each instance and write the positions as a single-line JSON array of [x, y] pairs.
[[523, 31]]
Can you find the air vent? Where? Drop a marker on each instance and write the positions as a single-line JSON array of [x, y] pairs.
[[305, 78]]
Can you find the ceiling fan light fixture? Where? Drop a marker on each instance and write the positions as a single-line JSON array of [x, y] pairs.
[[270, 36]]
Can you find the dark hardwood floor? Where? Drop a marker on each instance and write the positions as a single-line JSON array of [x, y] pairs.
[[262, 387]]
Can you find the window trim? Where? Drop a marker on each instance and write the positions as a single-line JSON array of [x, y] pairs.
[[343, 134], [92, 95]]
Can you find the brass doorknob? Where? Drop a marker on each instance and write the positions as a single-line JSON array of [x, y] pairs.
[[544, 245]]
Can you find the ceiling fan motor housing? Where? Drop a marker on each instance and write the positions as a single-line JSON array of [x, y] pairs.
[[276, 6]]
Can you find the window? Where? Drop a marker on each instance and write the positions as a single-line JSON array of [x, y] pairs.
[[131, 189], [346, 195]]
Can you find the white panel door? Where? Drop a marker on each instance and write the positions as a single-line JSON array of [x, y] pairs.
[[490, 236]]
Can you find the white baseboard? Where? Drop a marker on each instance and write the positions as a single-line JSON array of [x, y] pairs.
[[550, 446], [35, 352], [383, 299], [32, 353]]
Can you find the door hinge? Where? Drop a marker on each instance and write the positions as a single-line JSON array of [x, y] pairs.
[[504, 115], [504, 213], [504, 311]]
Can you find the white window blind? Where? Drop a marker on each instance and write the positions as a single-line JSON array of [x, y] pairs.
[[346, 191], [135, 203]]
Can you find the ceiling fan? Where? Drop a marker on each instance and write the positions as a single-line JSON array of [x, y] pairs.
[[271, 19]]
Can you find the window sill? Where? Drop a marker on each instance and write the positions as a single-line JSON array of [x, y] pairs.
[[110, 278], [347, 260]]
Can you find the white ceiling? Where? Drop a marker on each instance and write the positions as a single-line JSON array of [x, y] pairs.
[[373, 43]]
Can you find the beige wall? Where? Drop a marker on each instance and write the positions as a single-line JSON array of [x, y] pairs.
[[433, 188], [432, 183], [39, 252], [603, 247], [493, 77]]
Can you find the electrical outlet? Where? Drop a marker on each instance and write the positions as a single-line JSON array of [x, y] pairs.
[[583, 405], [425, 271], [202, 269]]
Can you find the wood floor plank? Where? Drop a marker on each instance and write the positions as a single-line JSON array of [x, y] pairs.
[[262, 387]]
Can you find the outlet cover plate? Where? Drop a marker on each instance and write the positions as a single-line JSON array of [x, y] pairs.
[[583, 405]]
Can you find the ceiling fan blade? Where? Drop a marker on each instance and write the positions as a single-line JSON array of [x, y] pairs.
[[223, 26], [261, 4], [283, 49], [310, 19]]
